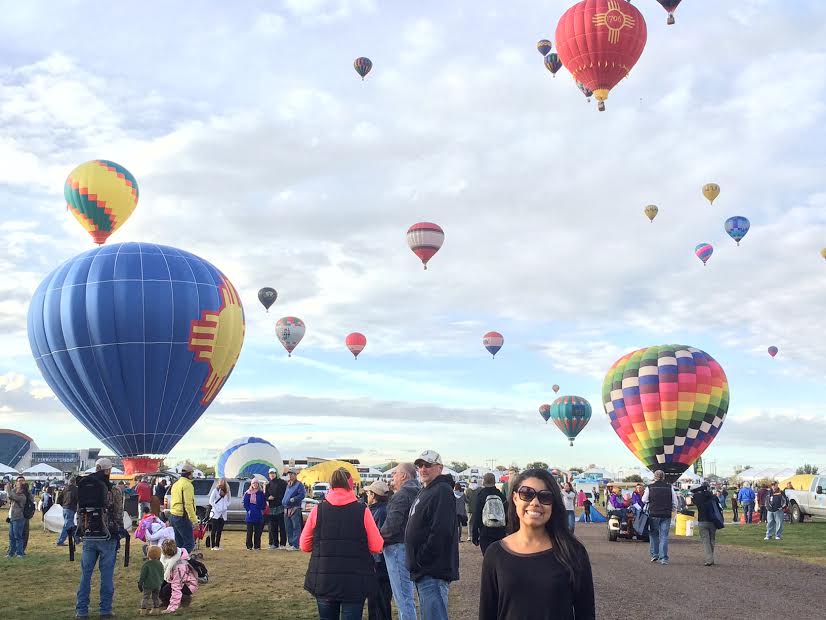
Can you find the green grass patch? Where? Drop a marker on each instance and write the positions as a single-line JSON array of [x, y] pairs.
[[801, 541]]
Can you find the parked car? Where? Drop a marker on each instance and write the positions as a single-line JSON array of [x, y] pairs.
[[320, 490], [810, 503]]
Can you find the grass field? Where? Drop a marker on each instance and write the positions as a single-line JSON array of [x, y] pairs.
[[243, 584], [802, 541]]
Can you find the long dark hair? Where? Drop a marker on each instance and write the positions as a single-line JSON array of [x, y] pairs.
[[569, 551]]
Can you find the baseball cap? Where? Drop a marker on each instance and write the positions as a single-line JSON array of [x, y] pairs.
[[429, 456], [103, 463], [378, 487], [273, 470], [292, 470], [187, 468]]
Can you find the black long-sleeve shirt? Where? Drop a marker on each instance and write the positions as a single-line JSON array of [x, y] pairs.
[[532, 587]]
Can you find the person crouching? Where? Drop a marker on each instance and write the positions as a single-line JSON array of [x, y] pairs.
[[181, 577], [150, 582]]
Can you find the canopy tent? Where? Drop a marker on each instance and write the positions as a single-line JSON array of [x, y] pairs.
[[477, 472], [322, 472], [42, 470], [5, 469], [753, 474], [92, 470]]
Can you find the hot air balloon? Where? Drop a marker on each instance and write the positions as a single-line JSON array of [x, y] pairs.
[[267, 297], [101, 195], [737, 227], [704, 251], [545, 411], [599, 42], [666, 403], [555, 388], [425, 239], [247, 457], [585, 91], [290, 330], [544, 46], [711, 191], [356, 343], [552, 63], [136, 340], [670, 6], [362, 66], [823, 253], [773, 350], [493, 341], [571, 414], [651, 212]]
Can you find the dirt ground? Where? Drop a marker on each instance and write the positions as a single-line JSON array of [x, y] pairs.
[[741, 585]]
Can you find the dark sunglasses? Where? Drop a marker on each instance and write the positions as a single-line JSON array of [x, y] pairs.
[[527, 494], [425, 465]]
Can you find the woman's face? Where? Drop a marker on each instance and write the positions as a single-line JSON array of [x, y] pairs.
[[254, 486], [371, 498], [532, 512]]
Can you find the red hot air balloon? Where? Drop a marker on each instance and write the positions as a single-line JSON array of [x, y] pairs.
[[599, 42], [773, 350], [425, 239], [356, 343]]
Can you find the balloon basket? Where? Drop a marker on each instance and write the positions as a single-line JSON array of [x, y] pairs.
[[141, 464]]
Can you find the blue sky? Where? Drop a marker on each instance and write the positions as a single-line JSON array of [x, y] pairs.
[[257, 147]]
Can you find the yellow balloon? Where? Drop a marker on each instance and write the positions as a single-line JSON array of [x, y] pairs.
[[711, 191], [823, 253], [651, 211]]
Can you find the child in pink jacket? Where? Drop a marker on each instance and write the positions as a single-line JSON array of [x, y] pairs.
[[179, 574]]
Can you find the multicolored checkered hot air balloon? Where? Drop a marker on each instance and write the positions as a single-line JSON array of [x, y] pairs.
[[136, 340], [493, 341], [356, 343], [666, 403], [101, 195], [737, 227], [704, 251], [290, 330], [571, 414], [425, 239], [545, 411]]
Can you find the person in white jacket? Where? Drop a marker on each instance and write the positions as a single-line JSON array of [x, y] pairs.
[[156, 533], [219, 500]]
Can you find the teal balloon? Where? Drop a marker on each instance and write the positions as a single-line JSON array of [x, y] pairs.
[[737, 227], [571, 414]]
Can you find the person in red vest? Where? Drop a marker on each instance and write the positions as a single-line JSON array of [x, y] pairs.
[[144, 493]]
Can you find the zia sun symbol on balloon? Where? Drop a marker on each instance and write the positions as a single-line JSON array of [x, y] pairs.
[[615, 20], [210, 338]]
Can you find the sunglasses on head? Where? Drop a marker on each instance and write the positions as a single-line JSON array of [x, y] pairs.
[[527, 494]]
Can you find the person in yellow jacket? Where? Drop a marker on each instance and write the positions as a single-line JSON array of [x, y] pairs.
[[182, 509]]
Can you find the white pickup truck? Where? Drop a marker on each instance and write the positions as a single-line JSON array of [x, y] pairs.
[[811, 503]]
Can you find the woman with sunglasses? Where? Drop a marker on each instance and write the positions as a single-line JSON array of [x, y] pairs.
[[539, 571]]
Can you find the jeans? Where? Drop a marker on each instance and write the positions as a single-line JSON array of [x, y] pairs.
[[571, 520], [748, 509], [763, 512], [254, 534], [433, 598], [278, 530], [400, 581], [658, 534], [293, 527], [708, 533], [68, 523], [143, 509], [774, 522], [339, 610], [94, 550], [16, 537], [587, 515], [735, 516], [183, 532]]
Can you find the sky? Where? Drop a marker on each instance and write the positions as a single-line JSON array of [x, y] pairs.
[[257, 147]]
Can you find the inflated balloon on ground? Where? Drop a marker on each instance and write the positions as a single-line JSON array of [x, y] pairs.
[[246, 457]]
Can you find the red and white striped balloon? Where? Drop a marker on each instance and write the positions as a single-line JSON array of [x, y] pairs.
[[425, 239], [356, 343]]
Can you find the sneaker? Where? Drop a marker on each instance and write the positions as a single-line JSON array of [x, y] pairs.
[[767, 538], [664, 562], [655, 559], [709, 564], [271, 547], [60, 544], [777, 538], [217, 549]]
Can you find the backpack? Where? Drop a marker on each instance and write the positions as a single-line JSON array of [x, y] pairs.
[[95, 508], [200, 569], [28, 507], [493, 512]]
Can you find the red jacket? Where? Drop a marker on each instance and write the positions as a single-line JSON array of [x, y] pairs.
[[342, 497], [144, 492]]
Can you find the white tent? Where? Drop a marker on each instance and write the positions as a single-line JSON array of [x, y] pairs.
[[753, 474], [92, 470], [42, 470], [5, 469], [478, 473]]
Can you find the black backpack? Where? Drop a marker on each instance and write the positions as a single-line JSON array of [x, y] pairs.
[[200, 569], [95, 508], [28, 507]]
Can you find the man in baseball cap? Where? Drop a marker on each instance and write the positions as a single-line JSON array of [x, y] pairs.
[[432, 537], [274, 492], [293, 496], [182, 510]]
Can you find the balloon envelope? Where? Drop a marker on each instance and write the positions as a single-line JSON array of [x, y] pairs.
[[773, 350], [101, 195], [552, 63], [136, 340], [246, 457], [555, 388], [425, 239], [666, 403], [290, 330], [356, 343], [704, 251], [545, 411], [544, 46], [571, 414], [267, 297], [651, 212], [737, 227], [362, 66], [493, 341], [670, 6], [711, 191]]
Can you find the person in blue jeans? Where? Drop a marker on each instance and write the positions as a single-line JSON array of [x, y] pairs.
[[662, 502], [406, 487], [101, 552], [746, 499], [292, 509], [17, 494], [69, 502]]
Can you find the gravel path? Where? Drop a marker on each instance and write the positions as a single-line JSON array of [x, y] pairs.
[[742, 584]]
